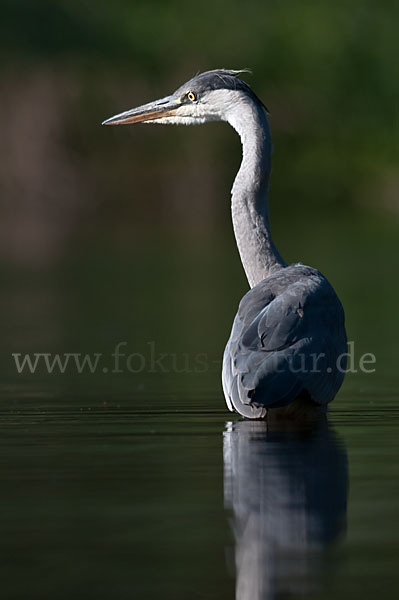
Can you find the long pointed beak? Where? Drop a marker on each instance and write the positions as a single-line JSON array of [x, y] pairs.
[[165, 107]]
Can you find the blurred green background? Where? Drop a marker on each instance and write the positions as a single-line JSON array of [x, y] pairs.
[[124, 234], [112, 482]]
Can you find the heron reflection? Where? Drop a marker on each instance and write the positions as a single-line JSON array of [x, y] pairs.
[[287, 490]]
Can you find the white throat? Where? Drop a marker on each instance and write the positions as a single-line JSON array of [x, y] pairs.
[[259, 256]]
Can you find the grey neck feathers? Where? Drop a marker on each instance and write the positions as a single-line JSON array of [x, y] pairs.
[[259, 256]]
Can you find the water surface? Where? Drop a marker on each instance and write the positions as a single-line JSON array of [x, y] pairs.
[[140, 484]]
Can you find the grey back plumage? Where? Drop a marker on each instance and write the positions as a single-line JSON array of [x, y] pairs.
[[288, 339]]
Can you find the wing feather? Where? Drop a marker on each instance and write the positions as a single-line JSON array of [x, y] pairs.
[[286, 338]]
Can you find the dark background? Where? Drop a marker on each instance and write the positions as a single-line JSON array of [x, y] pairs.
[[112, 483], [125, 234]]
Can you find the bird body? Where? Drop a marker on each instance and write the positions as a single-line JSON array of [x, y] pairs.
[[288, 339]]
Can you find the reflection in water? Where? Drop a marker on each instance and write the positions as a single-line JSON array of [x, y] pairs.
[[288, 491]]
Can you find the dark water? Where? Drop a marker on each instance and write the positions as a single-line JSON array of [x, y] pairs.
[[102, 499], [140, 484]]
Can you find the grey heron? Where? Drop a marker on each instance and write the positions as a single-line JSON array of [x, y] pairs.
[[288, 339]]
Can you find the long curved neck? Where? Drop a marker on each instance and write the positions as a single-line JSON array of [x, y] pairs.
[[259, 256]]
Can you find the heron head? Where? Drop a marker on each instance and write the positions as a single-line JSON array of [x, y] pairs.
[[210, 96]]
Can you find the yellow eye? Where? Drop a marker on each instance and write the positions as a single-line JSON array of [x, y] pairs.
[[191, 96]]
